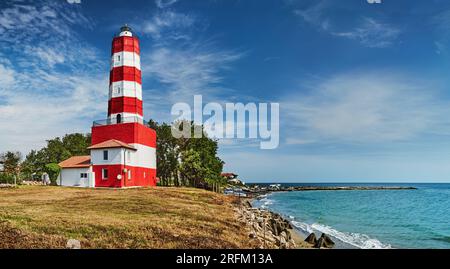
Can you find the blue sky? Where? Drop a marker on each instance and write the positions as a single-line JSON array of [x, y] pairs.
[[363, 88]]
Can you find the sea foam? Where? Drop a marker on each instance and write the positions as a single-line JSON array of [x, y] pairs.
[[358, 240]]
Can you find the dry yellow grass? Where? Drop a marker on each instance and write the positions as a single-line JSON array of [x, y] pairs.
[[46, 217]]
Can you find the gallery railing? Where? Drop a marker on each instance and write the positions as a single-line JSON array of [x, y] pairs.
[[119, 121]]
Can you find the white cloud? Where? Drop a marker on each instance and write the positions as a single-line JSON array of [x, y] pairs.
[[372, 34], [167, 23], [365, 108], [47, 55], [189, 71], [182, 65], [40, 95], [440, 47], [315, 15], [6, 76], [369, 32], [184, 72], [74, 1], [165, 3]]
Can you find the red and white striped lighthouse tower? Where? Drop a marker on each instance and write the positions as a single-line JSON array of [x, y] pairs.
[[123, 151], [125, 90]]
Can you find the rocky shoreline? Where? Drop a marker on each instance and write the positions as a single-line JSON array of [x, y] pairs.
[[270, 229]]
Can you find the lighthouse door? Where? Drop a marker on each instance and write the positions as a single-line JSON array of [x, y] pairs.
[[119, 118]]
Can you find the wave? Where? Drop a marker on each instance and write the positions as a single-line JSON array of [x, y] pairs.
[[266, 202], [304, 227], [354, 239]]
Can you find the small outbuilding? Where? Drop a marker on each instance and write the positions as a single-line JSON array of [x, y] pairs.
[[77, 172]]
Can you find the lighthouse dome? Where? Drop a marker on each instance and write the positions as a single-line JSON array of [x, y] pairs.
[[126, 31]]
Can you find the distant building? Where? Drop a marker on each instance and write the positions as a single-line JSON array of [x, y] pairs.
[[232, 179], [275, 187], [123, 151], [229, 175]]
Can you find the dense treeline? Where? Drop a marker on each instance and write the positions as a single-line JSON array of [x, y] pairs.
[[44, 160], [187, 161], [180, 161]]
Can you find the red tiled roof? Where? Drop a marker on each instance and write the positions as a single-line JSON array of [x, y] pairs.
[[228, 175], [113, 143], [76, 162]]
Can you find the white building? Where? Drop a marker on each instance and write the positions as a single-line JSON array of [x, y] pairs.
[[77, 172]]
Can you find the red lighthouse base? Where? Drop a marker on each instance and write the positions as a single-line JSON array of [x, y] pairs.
[[125, 167]]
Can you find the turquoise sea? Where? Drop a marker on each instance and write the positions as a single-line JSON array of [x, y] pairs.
[[370, 219]]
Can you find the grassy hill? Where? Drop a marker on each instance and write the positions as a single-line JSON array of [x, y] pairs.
[[46, 217]]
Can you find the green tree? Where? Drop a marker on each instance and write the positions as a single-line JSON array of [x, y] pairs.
[[11, 165], [166, 158], [56, 151], [33, 165], [77, 144], [52, 169], [191, 168], [187, 161]]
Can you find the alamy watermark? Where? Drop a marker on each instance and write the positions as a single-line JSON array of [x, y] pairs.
[[231, 121]]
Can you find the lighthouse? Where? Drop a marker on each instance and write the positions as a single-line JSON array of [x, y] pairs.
[[125, 90], [123, 150]]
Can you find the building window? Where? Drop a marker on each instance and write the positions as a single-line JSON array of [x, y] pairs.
[[104, 173], [129, 174], [145, 175], [119, 118], [105, 155], [84, 175]]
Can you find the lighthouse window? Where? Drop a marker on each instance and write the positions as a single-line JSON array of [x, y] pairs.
[[129, 174], [105, 173], [105, 155]]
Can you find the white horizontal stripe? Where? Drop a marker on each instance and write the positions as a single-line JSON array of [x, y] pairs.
[[125, 89], [115, 156], [126, 33], [125, 115], [143, 156], [126, 58], [126, 118]]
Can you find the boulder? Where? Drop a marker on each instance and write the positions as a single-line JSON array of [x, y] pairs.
[[288, 235], [311, 239], [327, 240], [73, 244], [289, 226], [324, 242], [319, 243], [282, 242]]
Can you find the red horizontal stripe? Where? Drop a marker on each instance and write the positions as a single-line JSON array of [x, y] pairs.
[[125, 43], [125, 104], [130, 133], [137, 176], [127, 73]]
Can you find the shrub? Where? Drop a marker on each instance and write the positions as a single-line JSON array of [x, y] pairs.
[[6, 178]]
